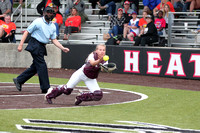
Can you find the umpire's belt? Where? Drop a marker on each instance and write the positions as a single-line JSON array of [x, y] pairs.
[[36, 47]]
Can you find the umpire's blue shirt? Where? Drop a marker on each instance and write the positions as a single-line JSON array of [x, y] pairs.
[[41, 30]]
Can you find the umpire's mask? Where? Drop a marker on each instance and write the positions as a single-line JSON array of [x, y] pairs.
[[49, 13]]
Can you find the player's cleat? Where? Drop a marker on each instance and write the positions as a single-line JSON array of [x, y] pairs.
[[78, 100], [47, 97], [18, 86], [88, 96]]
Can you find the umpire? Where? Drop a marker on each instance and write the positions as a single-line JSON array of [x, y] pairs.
[[41, 30]]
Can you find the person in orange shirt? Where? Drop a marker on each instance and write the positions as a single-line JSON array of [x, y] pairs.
[[161, 7], [142, 22], [58, 19], [7, 29], [72, 24], [44, 3]]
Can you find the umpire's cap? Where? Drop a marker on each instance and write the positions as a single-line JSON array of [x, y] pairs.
[[49, 9]]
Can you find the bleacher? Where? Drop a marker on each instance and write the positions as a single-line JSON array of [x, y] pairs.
[[92, 31], [182, 35]]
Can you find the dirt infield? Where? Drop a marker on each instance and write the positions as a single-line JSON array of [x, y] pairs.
[[30, 97], [16, 99]]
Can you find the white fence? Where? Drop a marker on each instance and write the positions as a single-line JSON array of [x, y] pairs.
[[184, 30]]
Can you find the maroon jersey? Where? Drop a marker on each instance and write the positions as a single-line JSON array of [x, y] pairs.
[[90, 71]]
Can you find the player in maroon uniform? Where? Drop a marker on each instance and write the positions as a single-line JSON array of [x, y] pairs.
[[87, 73]]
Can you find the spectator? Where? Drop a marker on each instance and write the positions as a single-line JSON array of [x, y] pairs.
[[149, 35], [5, 8], [149, 5], [178, 6], [142, 21], [94, 3], [134, 4], [114, 40], [161, 7], [80, 6], [186, 5], [166, 15], [72, 24], [58, 19], [7, 29], [195, 4], [109, 6], [160, 23], [132, 28], [127, 11], [117, 23], [44, 3]]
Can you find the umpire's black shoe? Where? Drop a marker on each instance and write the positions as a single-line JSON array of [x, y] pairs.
[[18, 86], [44, 91]]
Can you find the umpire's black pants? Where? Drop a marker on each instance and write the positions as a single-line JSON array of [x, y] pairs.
[[145, 40], [38, 66]]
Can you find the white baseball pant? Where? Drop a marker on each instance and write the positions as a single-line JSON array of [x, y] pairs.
[[79, 76]]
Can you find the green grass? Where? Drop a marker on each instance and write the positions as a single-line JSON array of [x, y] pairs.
[[177, 108]]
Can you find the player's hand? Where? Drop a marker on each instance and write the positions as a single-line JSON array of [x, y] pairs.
[[65, 50], [19, 48]]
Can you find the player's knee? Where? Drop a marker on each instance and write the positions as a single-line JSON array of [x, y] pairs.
[[68, 91], [98, 95]]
